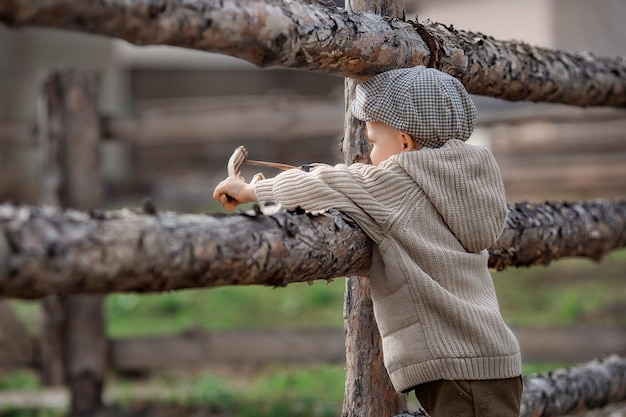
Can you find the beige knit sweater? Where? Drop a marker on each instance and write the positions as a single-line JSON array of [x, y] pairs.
[[432, 213]]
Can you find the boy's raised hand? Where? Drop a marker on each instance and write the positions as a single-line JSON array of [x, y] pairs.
[[233, 191]]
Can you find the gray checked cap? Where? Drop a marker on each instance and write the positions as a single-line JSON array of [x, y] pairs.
[[431, 106]]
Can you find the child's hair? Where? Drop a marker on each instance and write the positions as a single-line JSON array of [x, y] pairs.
[[429, 105]]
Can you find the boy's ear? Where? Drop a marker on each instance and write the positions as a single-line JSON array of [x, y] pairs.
[[408, 144]]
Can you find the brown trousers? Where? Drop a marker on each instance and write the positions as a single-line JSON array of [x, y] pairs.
[[489, 398]]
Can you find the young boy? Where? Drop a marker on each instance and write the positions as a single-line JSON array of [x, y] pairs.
[[432, 205]]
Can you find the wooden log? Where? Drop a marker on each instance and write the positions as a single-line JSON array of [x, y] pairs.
[[574, 344], [52, 251], [568, 391], [317, 36], [547, 113], [279, 119], [562, 159], [564, 179], [197, 348], [208, 120], [127, 251], [539, 233], [536, 138]]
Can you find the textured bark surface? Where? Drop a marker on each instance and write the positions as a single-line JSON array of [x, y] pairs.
[[568, 391], [518, 71], [50, 251], [539, 233], [307, 35], [317, 36]]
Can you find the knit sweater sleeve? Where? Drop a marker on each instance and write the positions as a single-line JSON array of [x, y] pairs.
[[349, 189]]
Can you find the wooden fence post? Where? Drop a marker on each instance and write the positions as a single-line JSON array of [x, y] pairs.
[[73, 340], [368, 390]]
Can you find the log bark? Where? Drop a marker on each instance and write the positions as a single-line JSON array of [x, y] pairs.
[[368, 390], [317, 36], [568, 391], [517, 71], [539, 233], [52, 251]]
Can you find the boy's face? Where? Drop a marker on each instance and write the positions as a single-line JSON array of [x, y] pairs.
[[386, 141]]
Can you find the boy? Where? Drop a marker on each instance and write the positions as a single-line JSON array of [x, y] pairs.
[[432, 205]]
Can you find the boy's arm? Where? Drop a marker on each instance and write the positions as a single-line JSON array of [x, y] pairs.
[[341, 187], [295, 188]]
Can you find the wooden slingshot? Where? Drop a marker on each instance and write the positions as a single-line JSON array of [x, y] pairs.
[[240, 157]]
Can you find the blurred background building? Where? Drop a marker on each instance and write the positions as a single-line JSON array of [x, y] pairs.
[[172, 116]]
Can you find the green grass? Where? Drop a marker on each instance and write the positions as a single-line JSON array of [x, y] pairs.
[[282, 391], [273, 390], [20, 412], [564, 293], [297, 305], [23, 379]]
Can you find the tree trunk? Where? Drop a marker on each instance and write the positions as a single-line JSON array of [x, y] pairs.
[[73, 336], [51, 251], [316, 36], [368, 390], [569, 391]]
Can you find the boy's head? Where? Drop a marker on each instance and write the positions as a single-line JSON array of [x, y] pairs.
[[386, 140], [429, 105]]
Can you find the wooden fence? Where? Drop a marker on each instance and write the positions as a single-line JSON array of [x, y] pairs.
[[174, 149], [486, 66], [195, 348], [192, 349]]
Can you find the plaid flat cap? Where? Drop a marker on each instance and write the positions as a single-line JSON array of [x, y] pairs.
[[431, 106]]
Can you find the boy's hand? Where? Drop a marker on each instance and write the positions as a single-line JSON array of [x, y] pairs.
[[233, 191]]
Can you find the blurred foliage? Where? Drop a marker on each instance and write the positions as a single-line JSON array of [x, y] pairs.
[[297, 305], [23, 379], [280, 392], [566, 292], [19, 412]]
